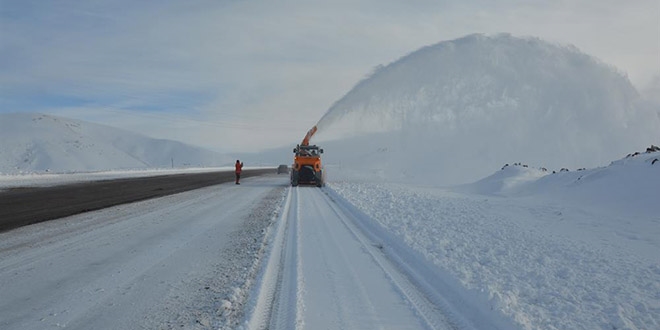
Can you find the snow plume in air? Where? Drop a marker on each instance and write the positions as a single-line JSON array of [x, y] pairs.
[[455, 111]]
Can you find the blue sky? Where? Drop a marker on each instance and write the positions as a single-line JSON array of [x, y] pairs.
[[248, 75]]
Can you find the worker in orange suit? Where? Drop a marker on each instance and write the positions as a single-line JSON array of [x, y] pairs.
[[239, 168]]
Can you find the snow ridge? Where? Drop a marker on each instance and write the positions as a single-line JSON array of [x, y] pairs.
[[457, 307], [544, 265], [627, 184]]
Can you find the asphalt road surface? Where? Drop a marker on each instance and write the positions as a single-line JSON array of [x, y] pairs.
[[24, 206]]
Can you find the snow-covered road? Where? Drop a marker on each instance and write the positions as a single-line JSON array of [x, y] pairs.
[[172, 262], [263, 255], [330, 268], [258, 256]]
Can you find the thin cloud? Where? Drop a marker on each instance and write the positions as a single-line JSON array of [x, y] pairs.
[[268, 60]]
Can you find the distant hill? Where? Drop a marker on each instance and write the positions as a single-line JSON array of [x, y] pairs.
[[38, 143], [457, 110]]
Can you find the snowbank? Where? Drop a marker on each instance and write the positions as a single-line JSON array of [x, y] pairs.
[[540, 264], [629, 185], [53, 179], [569, 250]]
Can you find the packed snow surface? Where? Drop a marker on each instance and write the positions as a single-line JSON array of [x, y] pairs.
[[569, 250], [523, 248], [179, 262], [330, 267]]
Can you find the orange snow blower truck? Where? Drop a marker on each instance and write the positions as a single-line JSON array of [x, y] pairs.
[[307, 168]]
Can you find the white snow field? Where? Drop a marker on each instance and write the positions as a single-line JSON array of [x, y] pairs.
[[331, 268], [570, 250], [522, 249]]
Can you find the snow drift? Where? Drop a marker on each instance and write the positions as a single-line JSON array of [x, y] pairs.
[[455, 111], [38, 142], [565, 250]]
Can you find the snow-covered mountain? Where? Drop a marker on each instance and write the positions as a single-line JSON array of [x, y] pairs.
[[39, 142], [455, 111]]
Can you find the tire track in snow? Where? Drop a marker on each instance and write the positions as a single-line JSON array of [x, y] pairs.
[[440, 288], [341, 257], [283, 317], [433, 316], [278, 288], [322, 271]]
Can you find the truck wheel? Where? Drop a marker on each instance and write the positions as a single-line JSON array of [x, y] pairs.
[[319, 179], [294, 178]]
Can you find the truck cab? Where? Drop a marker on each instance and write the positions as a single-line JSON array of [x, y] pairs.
[[307, 168]]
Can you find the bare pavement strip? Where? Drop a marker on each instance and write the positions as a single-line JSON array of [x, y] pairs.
[[25, 206]]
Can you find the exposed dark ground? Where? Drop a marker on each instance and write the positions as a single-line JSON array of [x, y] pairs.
[[24, 206]]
